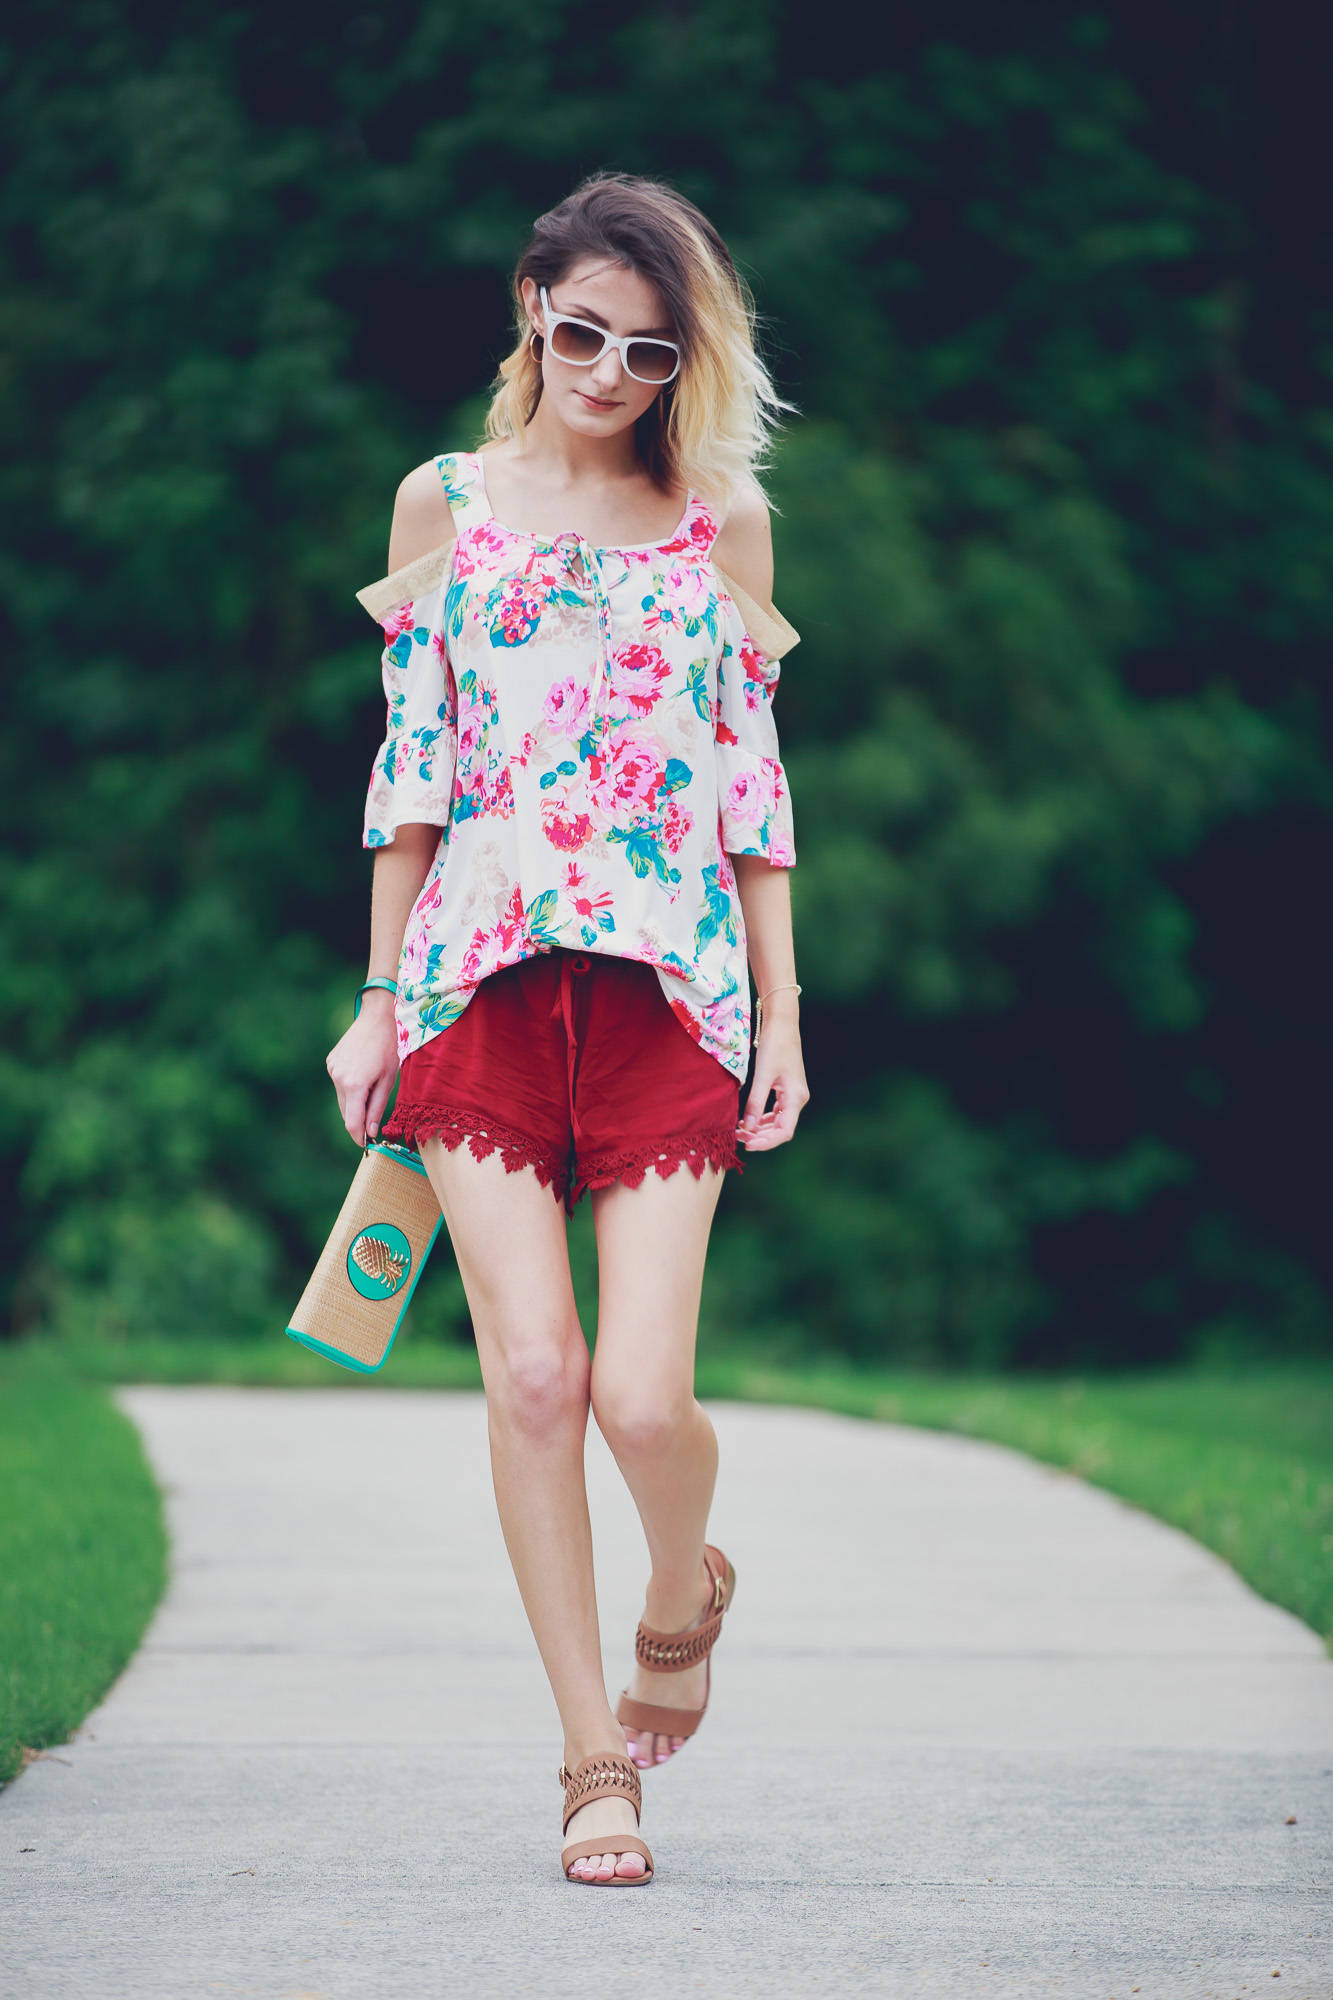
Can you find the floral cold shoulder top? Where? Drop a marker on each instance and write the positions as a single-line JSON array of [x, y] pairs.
[[592, 730]]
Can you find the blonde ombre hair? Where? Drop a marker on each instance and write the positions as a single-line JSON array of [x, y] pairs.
[[709, 430]]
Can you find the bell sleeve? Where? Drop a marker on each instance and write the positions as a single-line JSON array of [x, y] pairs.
[[753, 800], [413, 775]]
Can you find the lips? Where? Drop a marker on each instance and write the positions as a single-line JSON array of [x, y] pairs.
[[597, 402]]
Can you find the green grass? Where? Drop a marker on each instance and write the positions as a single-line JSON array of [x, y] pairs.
[[82, 1552], [1242, 1462]]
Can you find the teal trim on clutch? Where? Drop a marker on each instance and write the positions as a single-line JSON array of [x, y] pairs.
[[345, 1360], [333, 1354]]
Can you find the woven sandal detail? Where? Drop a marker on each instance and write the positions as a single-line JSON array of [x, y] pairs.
[[676, 1653], [604, 1777]]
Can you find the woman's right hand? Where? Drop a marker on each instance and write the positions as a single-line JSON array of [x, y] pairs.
[[363, 1066]]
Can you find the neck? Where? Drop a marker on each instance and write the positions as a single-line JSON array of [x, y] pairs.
[[551, 446]]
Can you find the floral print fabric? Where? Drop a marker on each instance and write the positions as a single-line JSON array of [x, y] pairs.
[[592, 731]]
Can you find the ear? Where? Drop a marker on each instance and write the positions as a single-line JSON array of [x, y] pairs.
[[532, 304]]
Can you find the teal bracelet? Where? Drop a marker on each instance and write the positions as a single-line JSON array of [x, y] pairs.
[[373, 986]]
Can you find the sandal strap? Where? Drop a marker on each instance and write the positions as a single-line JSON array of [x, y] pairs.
[[642, 1716], [619, 1843], [677, 1652], [604, 1777]]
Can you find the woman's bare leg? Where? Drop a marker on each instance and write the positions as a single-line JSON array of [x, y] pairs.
[[509, 1238], [651, 1244]]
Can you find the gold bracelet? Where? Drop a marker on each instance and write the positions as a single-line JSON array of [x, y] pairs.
[[790, 987]]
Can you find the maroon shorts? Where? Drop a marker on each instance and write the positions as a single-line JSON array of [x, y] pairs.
[[573, 1064]]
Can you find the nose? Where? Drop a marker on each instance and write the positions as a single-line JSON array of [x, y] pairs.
[[605, 372]]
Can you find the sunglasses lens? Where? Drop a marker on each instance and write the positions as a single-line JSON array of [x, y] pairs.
[[574, 342], [651, 360]]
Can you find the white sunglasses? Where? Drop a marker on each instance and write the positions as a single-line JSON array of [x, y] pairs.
[[580, 343]]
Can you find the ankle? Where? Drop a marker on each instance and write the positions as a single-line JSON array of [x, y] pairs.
[[672, 1602], [607, 1740]]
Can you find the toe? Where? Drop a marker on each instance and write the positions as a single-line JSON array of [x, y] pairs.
[[631, 1865]]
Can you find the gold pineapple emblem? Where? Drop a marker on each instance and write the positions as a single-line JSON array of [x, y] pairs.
[[379, 1263]]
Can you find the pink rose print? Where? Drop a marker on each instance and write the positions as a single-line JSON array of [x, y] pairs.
[[697, 531], [677, 824], [564, 829], [689, 1021], [489, 949], [637, 673], [689, 588], [493, 538], [516, 610], [476, 709], [566, 706], [429, 901], [754, 668], [414, 958], [632, 778], [749, 799]]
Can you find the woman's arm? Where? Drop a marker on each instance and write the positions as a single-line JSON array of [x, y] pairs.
[[744, 550], [365, 1062], [779, 1071]]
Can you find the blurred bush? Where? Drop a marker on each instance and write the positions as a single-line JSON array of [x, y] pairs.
[[1054, 525]]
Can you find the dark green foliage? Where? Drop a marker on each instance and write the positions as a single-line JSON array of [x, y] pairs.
[[1054, 526]]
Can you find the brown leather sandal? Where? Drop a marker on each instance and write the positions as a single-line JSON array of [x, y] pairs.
[[606, 1777], [676, 1652]]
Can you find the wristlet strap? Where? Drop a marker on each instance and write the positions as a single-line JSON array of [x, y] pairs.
[[372, 986]]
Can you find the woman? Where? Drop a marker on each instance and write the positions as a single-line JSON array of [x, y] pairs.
[[582, 828]]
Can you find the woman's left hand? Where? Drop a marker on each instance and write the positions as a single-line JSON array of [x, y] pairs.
[[779, 1073]]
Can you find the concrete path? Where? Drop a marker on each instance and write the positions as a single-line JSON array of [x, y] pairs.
[[977, 1730]]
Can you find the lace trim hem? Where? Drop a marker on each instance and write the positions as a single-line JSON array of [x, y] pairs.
[[695, 1150], [411, 1123]]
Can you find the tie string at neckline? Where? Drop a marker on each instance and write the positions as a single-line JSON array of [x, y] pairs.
[[584, 564]]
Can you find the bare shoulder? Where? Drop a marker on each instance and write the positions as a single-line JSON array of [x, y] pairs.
[[744, 545], [421, 517]]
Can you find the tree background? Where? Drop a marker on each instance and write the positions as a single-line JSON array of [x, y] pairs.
[[1053, 292]]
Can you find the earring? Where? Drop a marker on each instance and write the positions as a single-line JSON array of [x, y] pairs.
[[536, 345]]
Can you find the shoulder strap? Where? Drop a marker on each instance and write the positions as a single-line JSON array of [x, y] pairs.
[[464, 487], [766, 626], [413, 580]]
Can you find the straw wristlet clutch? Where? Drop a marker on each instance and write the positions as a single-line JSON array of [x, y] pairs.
[[368, 1271]]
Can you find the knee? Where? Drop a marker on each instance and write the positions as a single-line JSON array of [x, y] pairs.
[[639, 1425], [540, 1387]]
